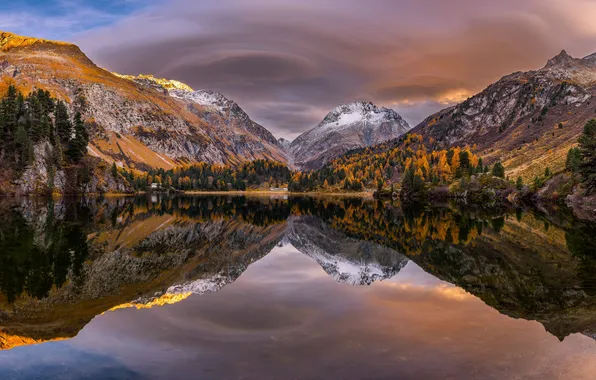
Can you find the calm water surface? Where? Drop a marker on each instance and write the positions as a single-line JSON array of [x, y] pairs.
[[299, 288]]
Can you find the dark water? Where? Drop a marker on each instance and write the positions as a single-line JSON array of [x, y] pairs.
[[298, 288]]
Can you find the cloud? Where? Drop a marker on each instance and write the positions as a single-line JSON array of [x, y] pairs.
[[288, 63], [422, 88]]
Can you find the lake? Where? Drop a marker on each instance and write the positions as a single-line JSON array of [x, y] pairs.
[[216, 287]]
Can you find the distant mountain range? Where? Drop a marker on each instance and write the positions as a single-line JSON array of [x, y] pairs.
[[527, 120], [143, 121]]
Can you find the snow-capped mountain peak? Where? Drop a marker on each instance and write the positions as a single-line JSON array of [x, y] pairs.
[[346, 127], [347, 114]]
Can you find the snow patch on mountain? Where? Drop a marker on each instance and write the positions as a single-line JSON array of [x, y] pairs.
[[205, 98]]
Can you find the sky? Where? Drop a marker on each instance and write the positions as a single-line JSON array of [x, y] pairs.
[[288, 63]]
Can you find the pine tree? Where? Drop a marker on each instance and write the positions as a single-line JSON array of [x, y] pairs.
[[23, 146], [464, 159], [587, 148], [498, 170], [78, 145], [573, 161], [62, 123], [34, 118], [520, 183], [10, 111]]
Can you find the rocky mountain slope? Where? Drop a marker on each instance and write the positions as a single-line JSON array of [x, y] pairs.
[[137, 122], [528, 120], [346, 127]]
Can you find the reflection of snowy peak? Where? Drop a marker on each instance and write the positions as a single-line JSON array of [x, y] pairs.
[[345, 259], [201, 286], [346, 127], [344, 270]]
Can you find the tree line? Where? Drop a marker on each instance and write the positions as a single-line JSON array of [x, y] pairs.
[[211, 177]]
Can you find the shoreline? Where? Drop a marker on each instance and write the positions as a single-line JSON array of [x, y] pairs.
[[362, 194]]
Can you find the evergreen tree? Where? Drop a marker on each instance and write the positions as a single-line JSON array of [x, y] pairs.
[[498, 170], [10, 109], [464, 159], [520, 183], [9, 112], [34, 117], [23, 146], [587, 147], [62, 123], [574, 158], [412, 187], [78, 145]]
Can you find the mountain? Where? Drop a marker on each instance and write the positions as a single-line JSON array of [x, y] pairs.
[[528, 120], [348, 260], [212, 107], [284, 144], [137, 122], [346, 127]]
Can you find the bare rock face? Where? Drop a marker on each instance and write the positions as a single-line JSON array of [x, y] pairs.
[[41, 178], [346, 127], [528, 120], [137, 122], [36, 179]]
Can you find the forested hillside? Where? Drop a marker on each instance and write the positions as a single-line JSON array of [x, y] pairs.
[[389, 163]]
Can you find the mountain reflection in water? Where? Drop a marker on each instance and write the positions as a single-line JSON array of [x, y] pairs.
[[64, 262]]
